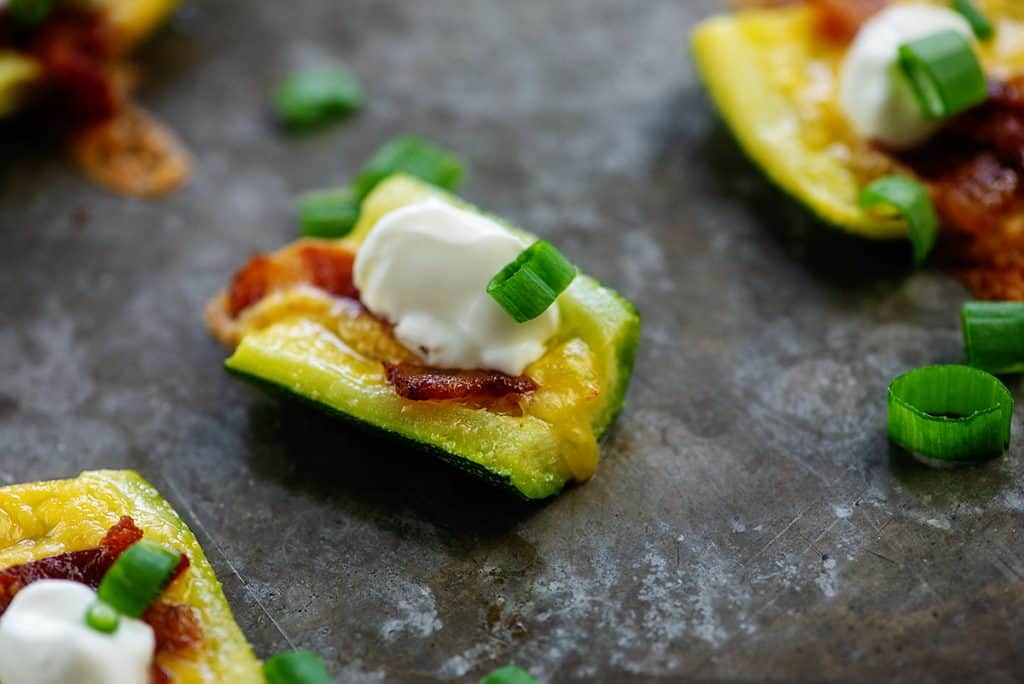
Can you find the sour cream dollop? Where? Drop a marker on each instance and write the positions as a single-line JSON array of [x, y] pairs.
[[425, 268], [874, 95], [44, 640]]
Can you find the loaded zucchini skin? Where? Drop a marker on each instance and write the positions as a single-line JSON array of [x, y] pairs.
[[303, 359], [48, 518], [132, 22], [739, 57]]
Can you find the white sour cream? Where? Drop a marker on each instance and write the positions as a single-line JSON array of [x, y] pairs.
[[426, 267], [874, 95], [44, 640]]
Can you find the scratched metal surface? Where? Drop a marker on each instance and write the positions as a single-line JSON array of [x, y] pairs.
[[748, 521]]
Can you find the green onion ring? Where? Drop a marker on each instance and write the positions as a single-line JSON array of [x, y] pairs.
[[137, 577], [944, 73], [530, 284], [308, 99], [329, 213], [912, 201], [980, 24], [31, 12], [102, 617], [950, 414], [509, 675], [413, 156], [297, 667], [994, 336]]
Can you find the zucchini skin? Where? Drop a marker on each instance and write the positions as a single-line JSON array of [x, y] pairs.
[[733, 68], [517, 453], [49, 518]]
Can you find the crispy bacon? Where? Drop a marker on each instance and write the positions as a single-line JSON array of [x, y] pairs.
[[176, 628], [86, 567], [74, 47], [326, 267], [840, 20], [975, 170], [419, 383]]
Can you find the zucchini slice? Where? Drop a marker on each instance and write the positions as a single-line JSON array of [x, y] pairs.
[[45, 519], [583, 378], [775, 83]]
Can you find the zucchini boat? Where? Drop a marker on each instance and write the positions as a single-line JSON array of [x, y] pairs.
[[52, 530], [64, 60], [300, 330], [774, 77]]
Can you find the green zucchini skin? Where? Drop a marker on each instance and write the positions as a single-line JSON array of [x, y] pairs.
[[515, 453]]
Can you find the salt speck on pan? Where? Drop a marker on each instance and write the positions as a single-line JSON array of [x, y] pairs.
[[416, 614], [842, 511], [738, 525], [826, 579]]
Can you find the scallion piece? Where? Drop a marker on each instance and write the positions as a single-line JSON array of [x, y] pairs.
[[328, 213], [311, 98], [529, 285], [944, 73], [31, 12], [102, 617], [950, 413], [912, 201], [994, 336], [980, 24], [137, 577], [297, 667], [509, 675], [415, 157]]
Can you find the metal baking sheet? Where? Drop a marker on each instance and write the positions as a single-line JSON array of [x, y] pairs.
[[749, 519]]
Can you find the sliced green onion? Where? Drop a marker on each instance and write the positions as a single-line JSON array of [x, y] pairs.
[[328, 213], [980, 24], [311, 98], [102, 617], [297, 667], [529, 285], [950, 413], [994, 336], [912, 201], [509, 675], [415, 157], [944, 73], [137, 577], [31, 12]]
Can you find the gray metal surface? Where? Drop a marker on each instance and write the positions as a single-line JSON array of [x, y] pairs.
[[748, 521]]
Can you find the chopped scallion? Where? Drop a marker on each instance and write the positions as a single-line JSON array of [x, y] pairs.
[[980, 24], [529, 285], [31, 12], [311, 98], [950, 413], [102, 617], [137, 577], [994, 336], [944, 73], [328, 213], [509, 675], [415, 157], [912, 201], [297, 667]]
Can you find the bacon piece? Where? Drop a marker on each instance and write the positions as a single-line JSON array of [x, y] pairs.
[[74, 46], [331, 270], [419, 383], [840, 20], [86, 567], [327, 267], [975, 194]]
